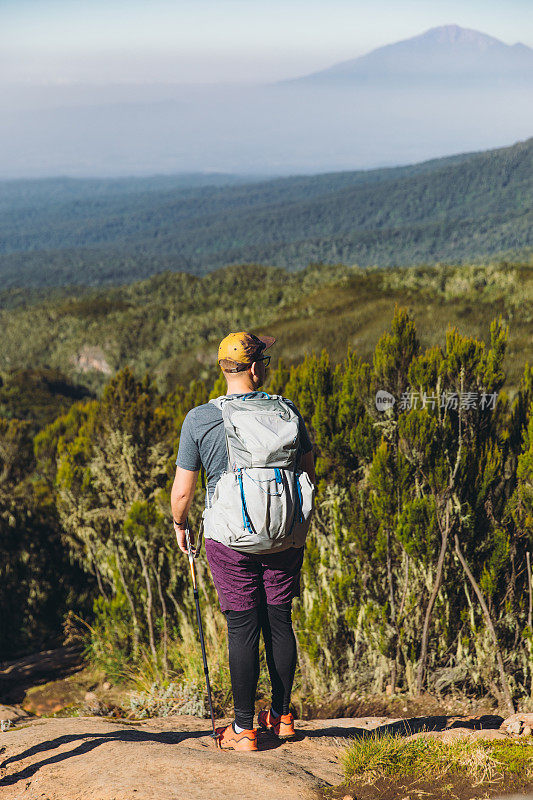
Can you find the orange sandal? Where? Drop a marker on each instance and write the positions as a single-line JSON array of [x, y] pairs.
[[282, 726], [227, 739]]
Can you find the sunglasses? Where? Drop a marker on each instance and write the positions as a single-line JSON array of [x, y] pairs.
[[265, 360]]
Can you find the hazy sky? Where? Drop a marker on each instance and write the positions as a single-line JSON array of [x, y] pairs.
[[195, 41]]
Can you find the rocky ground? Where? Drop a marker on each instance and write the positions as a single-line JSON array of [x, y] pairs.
[[169, 759], [174, 758]]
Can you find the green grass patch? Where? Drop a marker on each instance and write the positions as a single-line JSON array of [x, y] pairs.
[[483, 762]]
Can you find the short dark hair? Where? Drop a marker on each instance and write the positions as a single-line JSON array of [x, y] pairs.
[[233, 366]]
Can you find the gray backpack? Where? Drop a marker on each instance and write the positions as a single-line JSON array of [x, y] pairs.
[[263, 502]]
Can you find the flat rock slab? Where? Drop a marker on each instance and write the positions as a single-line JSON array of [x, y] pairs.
[[174, 758], [91, 758]]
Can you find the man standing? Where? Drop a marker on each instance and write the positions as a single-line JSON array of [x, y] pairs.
[[255, 590]]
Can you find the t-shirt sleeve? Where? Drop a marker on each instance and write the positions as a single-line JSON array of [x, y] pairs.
[[305, 442], [188, 452]]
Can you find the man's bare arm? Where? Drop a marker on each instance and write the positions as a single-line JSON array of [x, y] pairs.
[[180, 500], [307, 463]]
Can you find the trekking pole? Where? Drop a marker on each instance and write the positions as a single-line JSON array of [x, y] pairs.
[[192, 555]]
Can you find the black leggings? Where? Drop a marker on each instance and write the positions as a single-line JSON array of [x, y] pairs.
[[244, 628]]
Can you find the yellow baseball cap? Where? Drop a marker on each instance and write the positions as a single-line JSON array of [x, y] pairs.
[[241, 348]]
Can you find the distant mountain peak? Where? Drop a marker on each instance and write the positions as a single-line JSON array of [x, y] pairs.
[[444, 51], [454, 34]]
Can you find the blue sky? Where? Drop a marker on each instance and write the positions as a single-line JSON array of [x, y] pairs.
[[195, 41]]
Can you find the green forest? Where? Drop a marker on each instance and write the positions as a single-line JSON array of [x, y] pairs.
[[170, 324], [418, 565], [58, 232]]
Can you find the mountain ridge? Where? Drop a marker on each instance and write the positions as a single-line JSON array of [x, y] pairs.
[[467, 207], [438, 47]]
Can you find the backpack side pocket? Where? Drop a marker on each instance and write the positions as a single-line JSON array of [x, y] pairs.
[[307, 498]]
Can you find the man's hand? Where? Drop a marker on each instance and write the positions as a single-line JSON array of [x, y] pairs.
[[181, 536]]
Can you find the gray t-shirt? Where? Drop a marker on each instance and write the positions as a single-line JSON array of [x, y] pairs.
[[202, 440]]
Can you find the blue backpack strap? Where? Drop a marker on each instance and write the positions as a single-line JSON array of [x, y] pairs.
[[246, 521], [300, 500], [297, 493]]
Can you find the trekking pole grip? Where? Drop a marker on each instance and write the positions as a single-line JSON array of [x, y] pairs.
[[190, 555]]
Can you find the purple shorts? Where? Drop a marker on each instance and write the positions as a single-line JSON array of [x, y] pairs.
[[242, 580]]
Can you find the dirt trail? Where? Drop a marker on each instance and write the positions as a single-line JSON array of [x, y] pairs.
[[173, 758], [18, 676]]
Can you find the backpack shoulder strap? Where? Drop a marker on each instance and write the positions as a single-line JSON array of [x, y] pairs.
[[219, 401]]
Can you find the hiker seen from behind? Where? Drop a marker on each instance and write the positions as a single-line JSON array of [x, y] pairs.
[[258, 459]]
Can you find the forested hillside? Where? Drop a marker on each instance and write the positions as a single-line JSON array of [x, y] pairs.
[[170, 325], [452, 209]]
